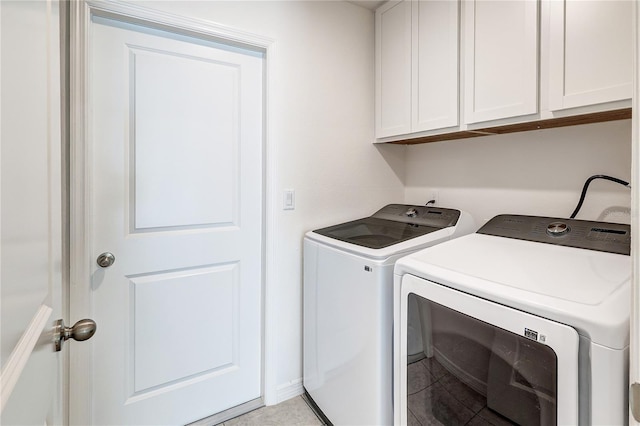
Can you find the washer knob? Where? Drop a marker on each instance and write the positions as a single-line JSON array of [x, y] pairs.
[[412, 212], [557, 229]]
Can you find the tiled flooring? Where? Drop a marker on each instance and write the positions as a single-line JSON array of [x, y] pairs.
[[436, 397], [293, 412]]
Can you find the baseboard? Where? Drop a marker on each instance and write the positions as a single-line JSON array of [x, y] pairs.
[[289, 390]]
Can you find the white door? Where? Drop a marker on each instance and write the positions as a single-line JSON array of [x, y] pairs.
[[175, 194], [30, 237]]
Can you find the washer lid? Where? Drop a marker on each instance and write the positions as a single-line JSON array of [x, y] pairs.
[[586, 289], [391, 225], [374, 233]]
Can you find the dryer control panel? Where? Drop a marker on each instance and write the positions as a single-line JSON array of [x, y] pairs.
[[600, 236], [436, 217]]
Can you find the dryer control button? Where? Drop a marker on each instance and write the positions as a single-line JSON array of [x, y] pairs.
[[557, 229]]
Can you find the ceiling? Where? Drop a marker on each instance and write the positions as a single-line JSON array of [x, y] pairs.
[[368, 4]]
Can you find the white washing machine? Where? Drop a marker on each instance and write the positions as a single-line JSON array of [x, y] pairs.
[[348, 306], [525, 321]]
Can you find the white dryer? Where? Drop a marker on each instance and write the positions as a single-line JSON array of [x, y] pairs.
[[525, 321], [348, 306]]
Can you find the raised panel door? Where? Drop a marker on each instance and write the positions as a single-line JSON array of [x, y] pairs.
[[590, 52], [435, 45], [393, 69], [175, 165], [500, 59], [31, 373]]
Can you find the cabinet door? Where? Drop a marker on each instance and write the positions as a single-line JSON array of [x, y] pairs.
[[590, 52], [435, 64], [500, 59], [393, 69]]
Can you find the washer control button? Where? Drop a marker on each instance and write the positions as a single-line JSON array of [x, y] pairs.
[[412, 212], [557, 229]]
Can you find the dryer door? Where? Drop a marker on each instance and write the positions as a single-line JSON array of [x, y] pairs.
[[481, 359]]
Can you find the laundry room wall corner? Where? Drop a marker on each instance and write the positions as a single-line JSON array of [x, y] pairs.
[[396, 157]]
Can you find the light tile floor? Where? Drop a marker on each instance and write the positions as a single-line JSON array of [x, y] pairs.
[[437, 397], [292, 412]]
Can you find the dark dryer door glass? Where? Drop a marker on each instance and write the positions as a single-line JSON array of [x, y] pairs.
[[375, 233], [468, 369]]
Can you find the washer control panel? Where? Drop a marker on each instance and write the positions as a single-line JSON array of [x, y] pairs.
[[600, 236], [436, 217]]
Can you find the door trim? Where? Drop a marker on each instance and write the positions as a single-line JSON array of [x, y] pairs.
[[80, 303], [634, 346]]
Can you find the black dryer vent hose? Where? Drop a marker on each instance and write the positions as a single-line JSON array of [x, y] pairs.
[[586, 186]]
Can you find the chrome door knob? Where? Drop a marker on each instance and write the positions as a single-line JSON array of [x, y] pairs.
[[81, 330], [106, 259]]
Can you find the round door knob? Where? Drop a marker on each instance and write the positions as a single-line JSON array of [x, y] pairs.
[[81, 330], [105, 260]]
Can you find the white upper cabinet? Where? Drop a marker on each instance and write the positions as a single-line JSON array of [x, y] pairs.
[[416, 66], [435, 82], [590, 52], [393, 69], [461, 68], [500, 59]]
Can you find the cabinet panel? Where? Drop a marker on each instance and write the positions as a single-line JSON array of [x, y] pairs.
[[435, 65], [500, 59], [393, 69], [590, 52]]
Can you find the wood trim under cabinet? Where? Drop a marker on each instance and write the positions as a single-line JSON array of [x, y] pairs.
[[597, 117]]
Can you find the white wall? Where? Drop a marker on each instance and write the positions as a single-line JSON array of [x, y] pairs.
[[320, 127], [536, 173]]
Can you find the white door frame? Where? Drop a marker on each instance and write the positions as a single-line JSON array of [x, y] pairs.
[[634, 352], [81, 176]]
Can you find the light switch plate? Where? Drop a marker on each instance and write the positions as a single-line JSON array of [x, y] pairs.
[[289, 199]]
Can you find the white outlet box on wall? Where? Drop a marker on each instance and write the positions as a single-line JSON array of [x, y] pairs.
[[435, 196]]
